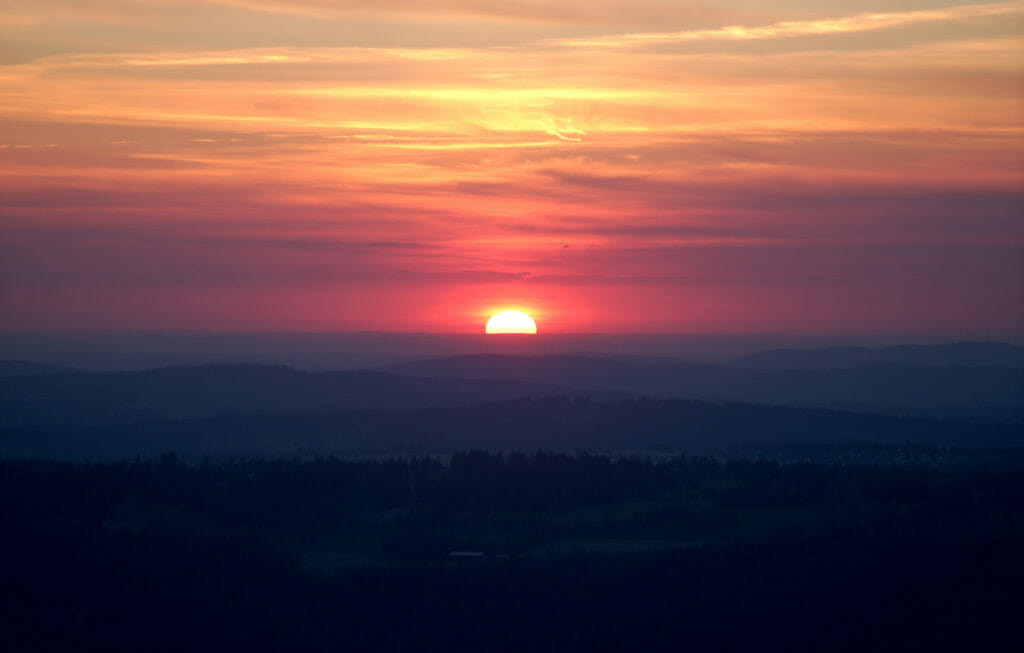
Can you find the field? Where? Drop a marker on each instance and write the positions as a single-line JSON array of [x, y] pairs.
[[333, 551]]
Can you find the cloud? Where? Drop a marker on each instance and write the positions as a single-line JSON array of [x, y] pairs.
[[586, 12], [788, 29], [279, 156], [543, 11]]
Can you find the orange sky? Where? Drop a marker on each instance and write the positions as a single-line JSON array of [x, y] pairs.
[[606, 166]]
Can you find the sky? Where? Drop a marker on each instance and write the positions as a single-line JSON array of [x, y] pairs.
[[648, 166]]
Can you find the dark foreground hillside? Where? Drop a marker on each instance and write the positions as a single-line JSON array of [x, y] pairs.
[[578, 553]]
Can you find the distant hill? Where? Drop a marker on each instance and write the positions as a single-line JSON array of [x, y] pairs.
[[20, 368], [957, 354], [976, 390], [497, 402], [525, 424], [99, 398]]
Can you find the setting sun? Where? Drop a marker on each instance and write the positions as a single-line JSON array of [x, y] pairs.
[[511, 322]]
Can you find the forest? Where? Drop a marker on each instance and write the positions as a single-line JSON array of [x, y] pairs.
[[550, 551]]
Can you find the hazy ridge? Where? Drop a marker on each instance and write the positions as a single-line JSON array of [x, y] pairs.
[[998, 390], [500, 401], [956, 354], [102, 398]]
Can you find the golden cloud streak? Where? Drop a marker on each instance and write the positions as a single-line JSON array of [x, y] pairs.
[[789, 29]]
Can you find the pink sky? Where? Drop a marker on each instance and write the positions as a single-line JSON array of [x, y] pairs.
[[659, 166]]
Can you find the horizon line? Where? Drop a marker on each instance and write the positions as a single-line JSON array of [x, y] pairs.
[[966, 336]]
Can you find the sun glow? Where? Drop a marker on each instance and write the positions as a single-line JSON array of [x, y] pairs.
[[511, 322]]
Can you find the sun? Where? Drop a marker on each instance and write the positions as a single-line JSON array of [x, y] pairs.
[[511, 322]]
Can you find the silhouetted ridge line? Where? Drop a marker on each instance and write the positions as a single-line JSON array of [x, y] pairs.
[[998, 390], [556, 423], [957, 354], [98, 398], [22, 368]]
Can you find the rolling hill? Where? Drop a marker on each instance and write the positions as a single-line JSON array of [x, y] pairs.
[[992, 391], [101, 398], [957, 354]]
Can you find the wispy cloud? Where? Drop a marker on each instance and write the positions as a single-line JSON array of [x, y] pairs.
[[586, 12], [788, 29], [296, 161], [542, 11]]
